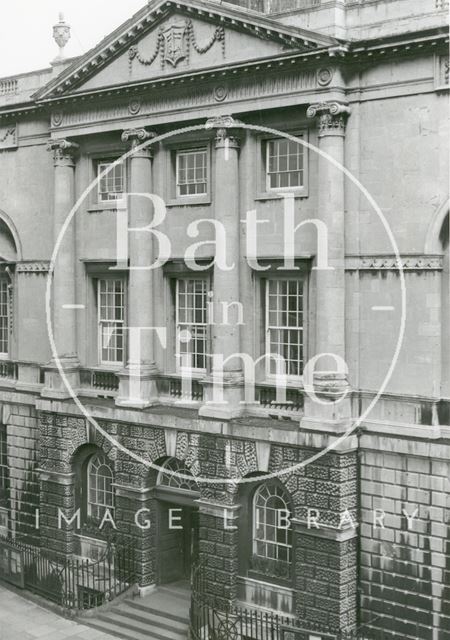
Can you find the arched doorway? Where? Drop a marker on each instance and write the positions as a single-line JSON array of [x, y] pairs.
[[176, 492]]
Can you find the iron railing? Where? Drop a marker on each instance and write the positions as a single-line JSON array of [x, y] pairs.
[[73, 583], [237, 622]]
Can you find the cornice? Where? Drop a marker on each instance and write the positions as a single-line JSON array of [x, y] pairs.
[[272, 64]]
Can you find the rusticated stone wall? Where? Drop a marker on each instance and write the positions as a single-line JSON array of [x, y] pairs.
[[405, 565], [21, 429], [324, 568]]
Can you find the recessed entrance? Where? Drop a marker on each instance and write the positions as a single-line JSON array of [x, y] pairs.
[[178, 541], [178, 529]]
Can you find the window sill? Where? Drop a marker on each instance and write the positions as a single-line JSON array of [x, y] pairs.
[[189, 202], [279, 195], [105, 206], [262, 577]]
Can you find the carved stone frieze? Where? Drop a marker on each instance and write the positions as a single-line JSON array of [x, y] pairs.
[[57, 118], [390, 263], [38, 268], [8, 137], [175, 43], [324, 76], [134, 106], [169, 99]]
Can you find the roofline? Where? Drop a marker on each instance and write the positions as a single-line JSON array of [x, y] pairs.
[[35, 72], [126, 33]]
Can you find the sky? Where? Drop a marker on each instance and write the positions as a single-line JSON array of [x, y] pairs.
[[26, 41]]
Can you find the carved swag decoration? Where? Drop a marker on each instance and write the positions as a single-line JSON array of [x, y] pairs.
[[175, 43]]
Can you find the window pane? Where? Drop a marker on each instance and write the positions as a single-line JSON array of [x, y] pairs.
[[271, 534], [100, 486], [111, 317], [192, 172], [191, 314], [284, 319], [284, 164], [111, 185]]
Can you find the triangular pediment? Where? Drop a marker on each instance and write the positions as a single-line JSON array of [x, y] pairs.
[[171, 38]]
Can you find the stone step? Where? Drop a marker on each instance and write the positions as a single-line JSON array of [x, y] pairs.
[[158, 605], [158, 620], [118, 632], [151, 627], [176, 591], [163, 615]]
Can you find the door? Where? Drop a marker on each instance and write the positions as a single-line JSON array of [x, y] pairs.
[[171, 545], [178, 545]]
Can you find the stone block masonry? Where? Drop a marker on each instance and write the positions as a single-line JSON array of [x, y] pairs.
[[22, 451], [404, 554]]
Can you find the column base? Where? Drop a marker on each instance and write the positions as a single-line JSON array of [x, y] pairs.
[[230, 404], [138, 387], [54, 385]]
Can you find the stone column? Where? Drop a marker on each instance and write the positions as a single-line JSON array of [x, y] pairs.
[[63, 288], [330, 283], [225, 328], [138, 386]]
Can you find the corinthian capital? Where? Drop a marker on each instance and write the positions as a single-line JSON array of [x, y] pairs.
[[63, 150], [332, 117], [222, 125]]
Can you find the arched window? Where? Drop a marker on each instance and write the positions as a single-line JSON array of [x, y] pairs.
[[169, 476], [272, 529], [100, 478]]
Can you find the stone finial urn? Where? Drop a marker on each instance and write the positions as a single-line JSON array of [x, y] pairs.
[[61, 35]]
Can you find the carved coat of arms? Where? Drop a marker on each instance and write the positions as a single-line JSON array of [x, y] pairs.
[[174, 44]]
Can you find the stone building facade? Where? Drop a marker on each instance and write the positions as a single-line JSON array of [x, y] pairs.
[[254, 115]]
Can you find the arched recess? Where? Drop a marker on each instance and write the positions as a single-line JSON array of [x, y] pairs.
[[266, 569], [174, 480], [10, 245], [433, 244], [82, 464]]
